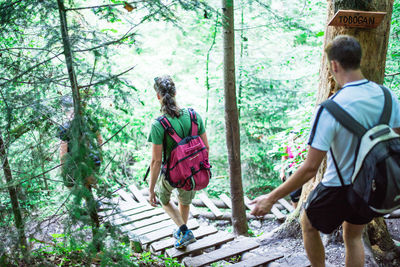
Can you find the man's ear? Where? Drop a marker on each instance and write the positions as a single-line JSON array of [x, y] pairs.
[[158, 96], [334, 66]]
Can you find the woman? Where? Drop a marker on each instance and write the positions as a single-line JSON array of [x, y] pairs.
[[180, 121]]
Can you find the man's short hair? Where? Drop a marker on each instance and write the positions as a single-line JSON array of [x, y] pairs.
[[346, 50], [66, 101]]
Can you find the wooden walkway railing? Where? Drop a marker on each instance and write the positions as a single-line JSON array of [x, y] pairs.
[[151, 229]]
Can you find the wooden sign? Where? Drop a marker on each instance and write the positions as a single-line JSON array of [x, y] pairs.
[[357, 19]]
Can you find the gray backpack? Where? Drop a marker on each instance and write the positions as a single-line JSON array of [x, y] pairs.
[[375, 187]]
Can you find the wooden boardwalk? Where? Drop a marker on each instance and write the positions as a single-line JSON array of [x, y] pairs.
[[151, 229]]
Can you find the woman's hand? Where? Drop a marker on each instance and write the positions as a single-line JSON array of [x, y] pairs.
[[283, 176], [152, 198]]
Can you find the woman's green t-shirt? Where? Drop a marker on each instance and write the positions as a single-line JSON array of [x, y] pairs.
[[181, 126]]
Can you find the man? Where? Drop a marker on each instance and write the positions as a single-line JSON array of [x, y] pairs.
[[327, 206], [65, 137]]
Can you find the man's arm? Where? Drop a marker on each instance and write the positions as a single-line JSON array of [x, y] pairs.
[[306, 171], [63, 150], [99, 138], [155, 167], [397, 130]]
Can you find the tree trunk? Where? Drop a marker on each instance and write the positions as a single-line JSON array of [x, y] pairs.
[[88, 195], [68, 57], [239, 221], [374, 43], [19, 223]]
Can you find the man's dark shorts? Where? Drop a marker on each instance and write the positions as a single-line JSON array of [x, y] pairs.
[[295, 195], [328, 207]]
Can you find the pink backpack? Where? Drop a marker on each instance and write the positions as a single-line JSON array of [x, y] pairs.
[[187, 167]]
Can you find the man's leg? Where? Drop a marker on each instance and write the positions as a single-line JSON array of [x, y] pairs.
[[312, 242], [184, 210], [352, 236]]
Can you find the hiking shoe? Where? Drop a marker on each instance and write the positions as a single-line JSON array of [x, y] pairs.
[[176, 233], [184, 239]]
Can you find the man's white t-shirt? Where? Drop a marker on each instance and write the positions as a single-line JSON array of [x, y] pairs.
[[364, 101]]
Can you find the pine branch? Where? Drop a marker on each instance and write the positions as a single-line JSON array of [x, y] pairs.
[[108, 79], [104, 44], [10, 5], [30, 69], [114, 135], [100, 6]]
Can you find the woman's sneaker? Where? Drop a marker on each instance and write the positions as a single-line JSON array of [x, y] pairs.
[[184, 239], [176, 233]]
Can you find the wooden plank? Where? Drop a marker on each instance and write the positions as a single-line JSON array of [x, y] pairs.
[[126, 196], [247, 203], [198, 233], [160, 234], [235, 248], [138, 195], [124, 205], [151, 220], [114, 211], [357, 19], [286, 204], [153, 227], [256, 261], [194, 211], [196, 202], [128, 205], [206, 242], [145, 215], [226, 200], [210, 204], [279, 215]]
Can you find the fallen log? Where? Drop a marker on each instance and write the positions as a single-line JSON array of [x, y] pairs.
[[217, 202], [227, 216], [394, 215]]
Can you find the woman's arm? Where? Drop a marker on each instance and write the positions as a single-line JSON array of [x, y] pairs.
[[155, 167], [205, 141]]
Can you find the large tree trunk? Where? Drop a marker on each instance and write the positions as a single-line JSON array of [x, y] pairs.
[[374, 43], [19, 223], [239, 220]]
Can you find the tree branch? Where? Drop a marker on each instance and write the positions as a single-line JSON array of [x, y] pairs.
[[30, 69], [104, 44], [105, 80], [392, 74], [114, 135], [100, 6], [10, 5]]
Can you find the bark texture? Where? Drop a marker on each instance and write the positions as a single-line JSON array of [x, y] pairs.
[[239, 220], [19, 223]]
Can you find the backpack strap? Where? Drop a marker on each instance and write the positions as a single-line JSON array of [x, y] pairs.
[[194, 129], [387, 108], [169, 129], [344, 118], [337, 168]]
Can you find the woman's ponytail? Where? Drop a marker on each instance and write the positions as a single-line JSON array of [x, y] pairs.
[[165, 87]]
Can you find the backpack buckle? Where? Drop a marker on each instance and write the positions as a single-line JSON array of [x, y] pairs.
[[170, 130]]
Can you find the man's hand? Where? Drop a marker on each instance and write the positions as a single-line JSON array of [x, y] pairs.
[[152, 198], [263, 205]]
